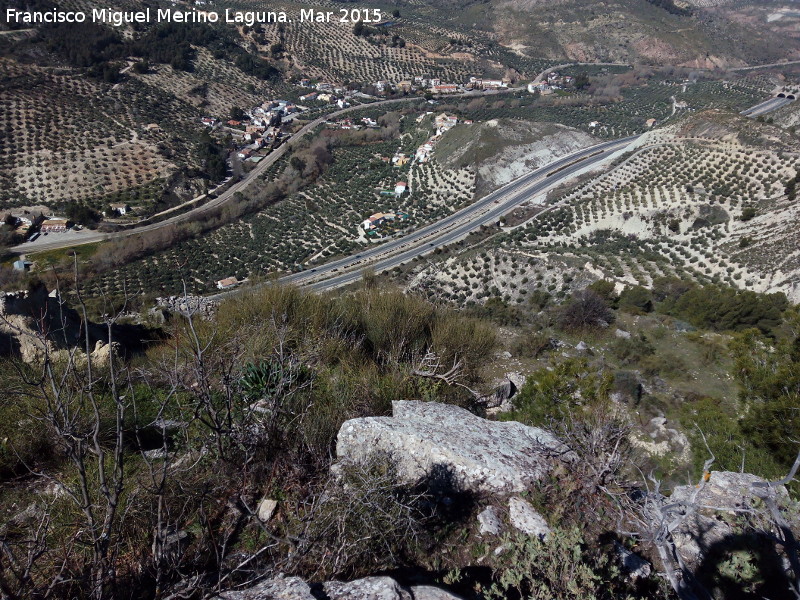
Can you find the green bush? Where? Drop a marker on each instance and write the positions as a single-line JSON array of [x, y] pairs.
[[732, 448], [636, 299], [560, 392], [632, 350], [723, 308], [560, 567]]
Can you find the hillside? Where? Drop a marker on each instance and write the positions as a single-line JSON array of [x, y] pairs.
[[145, 89], [291, 441], [707, 198], [502, 150], [638, 31]]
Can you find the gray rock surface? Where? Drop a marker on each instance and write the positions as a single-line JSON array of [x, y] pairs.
[[716, 501], [490, 521], [633, 564], [375, 588], [525, 518], [188, 305], [266, 508], [481, 455], [727, 490], [280, 588], [369, 588]]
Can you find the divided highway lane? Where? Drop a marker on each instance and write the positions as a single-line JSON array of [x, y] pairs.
[[458, 225], [765, 107]]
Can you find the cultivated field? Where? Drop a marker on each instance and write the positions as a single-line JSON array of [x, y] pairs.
[[712, 209]]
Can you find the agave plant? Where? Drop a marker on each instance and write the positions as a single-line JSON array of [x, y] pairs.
[[270, 378]]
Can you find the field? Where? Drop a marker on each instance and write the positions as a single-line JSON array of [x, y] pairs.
[[312, 225], [707, 209], [321, 221], [69, 139], [628, 112]]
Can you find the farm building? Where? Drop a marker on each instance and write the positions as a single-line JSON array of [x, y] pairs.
[[377, 220], [227, 283], [54, 225]]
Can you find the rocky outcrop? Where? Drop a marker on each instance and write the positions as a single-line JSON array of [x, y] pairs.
[[490, 522], [634, 565], [711, 509], [35, 324], [188, 305], [369, 588], [426, 438]]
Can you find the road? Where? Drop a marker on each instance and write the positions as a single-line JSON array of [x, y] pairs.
[[458, 225], [487, 210], [766, 107], [767, 66]]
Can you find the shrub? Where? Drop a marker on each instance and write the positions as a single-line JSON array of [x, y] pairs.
[[727, 309], [585, 310], [362, 521], [560, 567], [632, 350], [636, 299], [604, 289], [747, 213], [532, 345], [559, 392]]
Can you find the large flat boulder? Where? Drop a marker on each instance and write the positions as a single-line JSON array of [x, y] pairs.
[[369, 588], [428, 438]]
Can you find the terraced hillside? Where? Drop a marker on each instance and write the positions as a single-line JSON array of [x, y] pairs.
[[637, 30], [315, 223], [127, 134], [704, 199], [74, 139]]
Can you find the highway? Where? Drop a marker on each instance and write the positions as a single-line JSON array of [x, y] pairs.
[[487, 210], [425, 240], [766, 107], [87, 237]]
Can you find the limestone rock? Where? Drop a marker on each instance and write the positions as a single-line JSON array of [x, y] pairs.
[[279, 588], [188, 305], [266, 508], [716, 500], [490, 521], [369, 588], [634, 565], [427, 438], [430, 592], [727, 489], [376, 588], [501, 395], [525, 518]]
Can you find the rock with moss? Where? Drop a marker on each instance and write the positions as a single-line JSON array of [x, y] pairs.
[[433, 440], [368, 588]]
